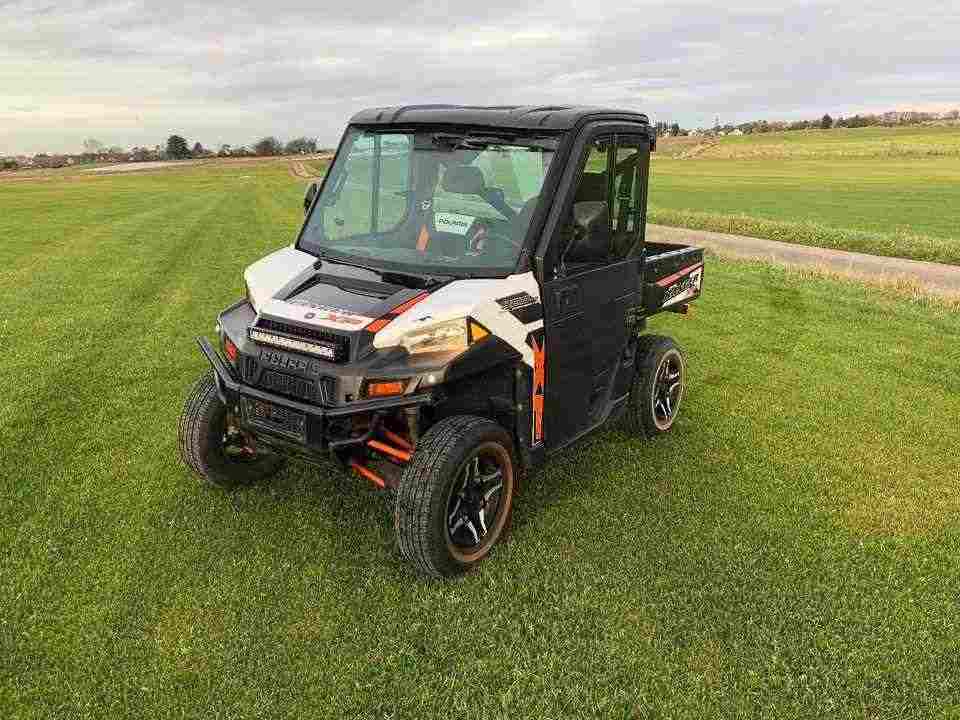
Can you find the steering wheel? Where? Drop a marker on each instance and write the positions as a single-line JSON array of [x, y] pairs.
[[485, 239]]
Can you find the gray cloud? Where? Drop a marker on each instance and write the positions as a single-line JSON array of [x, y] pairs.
[[133, 72]]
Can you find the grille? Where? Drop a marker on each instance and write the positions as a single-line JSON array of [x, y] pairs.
[[318, 391], [288, 385], [338, 343], [313, 391]]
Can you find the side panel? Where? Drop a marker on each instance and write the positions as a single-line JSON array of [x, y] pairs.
[[672, 278]]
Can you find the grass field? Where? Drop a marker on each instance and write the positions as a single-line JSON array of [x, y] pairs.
[[845, 189], [791, 550]]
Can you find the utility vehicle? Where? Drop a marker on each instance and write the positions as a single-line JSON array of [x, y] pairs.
[[468, 294]]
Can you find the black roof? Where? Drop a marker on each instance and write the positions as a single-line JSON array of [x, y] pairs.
[[526, 117]]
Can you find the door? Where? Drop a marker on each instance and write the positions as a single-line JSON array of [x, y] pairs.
[[593, 290]]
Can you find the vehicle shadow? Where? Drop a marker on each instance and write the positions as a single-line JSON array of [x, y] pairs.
[[349, 513]]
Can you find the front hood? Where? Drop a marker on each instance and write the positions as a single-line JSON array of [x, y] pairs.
[[285, 286]]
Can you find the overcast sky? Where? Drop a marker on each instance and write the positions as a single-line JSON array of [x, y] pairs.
[[234, 70]]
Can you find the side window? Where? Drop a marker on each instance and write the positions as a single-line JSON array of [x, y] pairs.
[[627, 195], [606, 214], [584, 239]]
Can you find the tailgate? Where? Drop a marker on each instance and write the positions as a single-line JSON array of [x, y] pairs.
[[672, 278]]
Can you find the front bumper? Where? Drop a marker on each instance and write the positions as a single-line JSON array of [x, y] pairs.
[[314, 428]]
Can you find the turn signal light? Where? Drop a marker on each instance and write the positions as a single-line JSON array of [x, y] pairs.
[[476, 331], [383, 388], [230, 349]]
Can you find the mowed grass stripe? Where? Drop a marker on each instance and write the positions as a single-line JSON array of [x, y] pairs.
[[791, 550], [898, 207]]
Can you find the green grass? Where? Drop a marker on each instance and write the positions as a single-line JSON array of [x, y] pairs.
[[791, 550], [907, 207]]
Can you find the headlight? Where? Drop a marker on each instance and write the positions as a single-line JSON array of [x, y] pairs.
[[449, 336]]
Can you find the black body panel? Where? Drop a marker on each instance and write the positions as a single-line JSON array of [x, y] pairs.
[[587, 329]]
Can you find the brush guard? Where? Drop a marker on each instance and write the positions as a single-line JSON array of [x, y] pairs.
[[322, 434]]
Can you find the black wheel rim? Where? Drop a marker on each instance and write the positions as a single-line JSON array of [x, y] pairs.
[[477, 501], [668, 390]]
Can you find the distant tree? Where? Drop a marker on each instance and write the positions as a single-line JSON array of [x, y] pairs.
[[268, 146], [224, 150], [675, 129], [198, 150], [826, 122], [8, 164], [141, 154], [92, 146], [952, 115], [177, 148], [301, 146]]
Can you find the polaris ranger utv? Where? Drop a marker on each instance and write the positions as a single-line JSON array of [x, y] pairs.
[[468, 294]]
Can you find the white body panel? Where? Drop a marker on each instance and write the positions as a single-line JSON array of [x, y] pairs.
[[476, 299], [460, 299], [266, 276]]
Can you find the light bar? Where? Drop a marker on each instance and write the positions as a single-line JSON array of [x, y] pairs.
[[327, 353]]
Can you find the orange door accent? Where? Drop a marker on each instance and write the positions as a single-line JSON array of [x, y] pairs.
[[539, 382]]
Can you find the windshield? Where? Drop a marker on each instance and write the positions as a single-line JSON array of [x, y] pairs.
[[430, 201]]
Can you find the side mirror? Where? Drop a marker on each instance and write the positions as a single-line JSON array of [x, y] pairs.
[[309, 195]]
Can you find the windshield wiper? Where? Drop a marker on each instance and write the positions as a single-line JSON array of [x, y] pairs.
[[425, 280], [482, 142]]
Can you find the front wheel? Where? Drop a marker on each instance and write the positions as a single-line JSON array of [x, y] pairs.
[[455, 497], [658, 385], [215, 449]]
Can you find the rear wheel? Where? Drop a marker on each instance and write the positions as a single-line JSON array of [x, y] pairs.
[[658, 386], [455, 497], [215, 449]]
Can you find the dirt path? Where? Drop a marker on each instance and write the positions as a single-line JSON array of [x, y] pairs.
[[932, 277], [298, 169]]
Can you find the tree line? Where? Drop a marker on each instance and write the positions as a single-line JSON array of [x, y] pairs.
[[175, 148], [825, 122]]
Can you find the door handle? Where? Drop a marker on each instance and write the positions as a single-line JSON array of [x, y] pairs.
[[567, 298]]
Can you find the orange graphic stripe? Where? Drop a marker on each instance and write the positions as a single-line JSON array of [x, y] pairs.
[[381, 322]]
